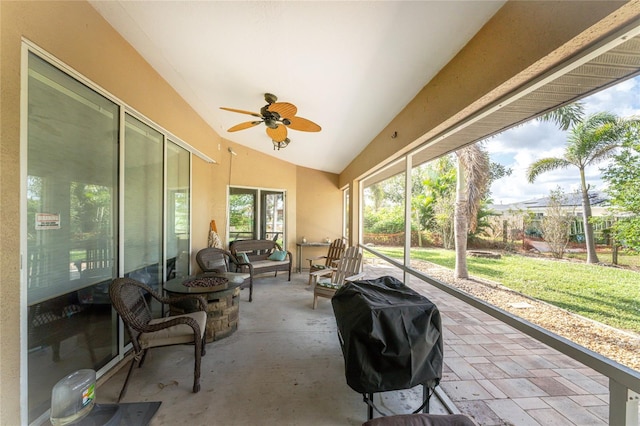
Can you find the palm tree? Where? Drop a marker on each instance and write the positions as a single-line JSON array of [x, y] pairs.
[[590, 141], [565, 116], [473, 177]]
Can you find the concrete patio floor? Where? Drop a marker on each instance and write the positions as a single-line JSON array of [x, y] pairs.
[[284, 367]]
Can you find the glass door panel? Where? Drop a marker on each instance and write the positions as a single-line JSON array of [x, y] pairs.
[[242, 213], [143, 203], [71, 190], [272, 218], [178, 209]]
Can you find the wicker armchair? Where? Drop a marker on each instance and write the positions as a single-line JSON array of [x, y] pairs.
[[222, 263], [327, 262], [128, 299]]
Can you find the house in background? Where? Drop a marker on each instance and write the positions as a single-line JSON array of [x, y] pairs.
[[571, 205]]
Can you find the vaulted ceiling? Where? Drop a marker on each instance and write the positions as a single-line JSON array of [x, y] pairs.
[[349, 66]]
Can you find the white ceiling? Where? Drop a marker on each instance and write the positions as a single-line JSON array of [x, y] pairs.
[[349, 66]]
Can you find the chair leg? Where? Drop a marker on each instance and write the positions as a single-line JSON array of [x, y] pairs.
[[142, 358], [55, 348], [250, 288], [315, 301], [199, 347], [126, 380], [92, 354]]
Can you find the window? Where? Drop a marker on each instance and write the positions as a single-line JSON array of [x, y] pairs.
[[346, 220], [250, 219], [383, 212]]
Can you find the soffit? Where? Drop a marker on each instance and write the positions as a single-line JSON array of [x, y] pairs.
[[597, 68]]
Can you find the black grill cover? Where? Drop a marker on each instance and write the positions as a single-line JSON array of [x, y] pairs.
[[391, 336]]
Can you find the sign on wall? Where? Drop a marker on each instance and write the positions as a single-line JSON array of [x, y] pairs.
[[45, 221]]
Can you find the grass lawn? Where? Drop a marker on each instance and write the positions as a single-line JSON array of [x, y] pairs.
[[605, 294], [624, 258]]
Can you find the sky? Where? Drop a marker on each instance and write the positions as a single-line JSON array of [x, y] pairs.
[[519, 147]]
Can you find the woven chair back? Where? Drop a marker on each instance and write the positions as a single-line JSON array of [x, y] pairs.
[[128, 299], [213, 260]]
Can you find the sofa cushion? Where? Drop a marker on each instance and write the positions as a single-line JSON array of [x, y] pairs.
[[257, 264], [278, 255]]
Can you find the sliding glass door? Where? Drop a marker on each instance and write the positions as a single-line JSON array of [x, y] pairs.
[[106, 194], [71, 226]]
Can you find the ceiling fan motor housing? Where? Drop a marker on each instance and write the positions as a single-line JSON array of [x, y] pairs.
[[271, 118]]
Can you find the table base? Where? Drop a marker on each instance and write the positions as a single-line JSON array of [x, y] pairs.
[[223, 313]]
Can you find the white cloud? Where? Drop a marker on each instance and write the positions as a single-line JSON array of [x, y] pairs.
[[622, 99]]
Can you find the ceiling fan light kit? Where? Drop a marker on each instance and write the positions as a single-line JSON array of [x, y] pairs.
[[277, 117], [281, 144]]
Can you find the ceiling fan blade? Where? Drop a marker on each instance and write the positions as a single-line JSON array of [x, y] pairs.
[[278, 134], [243, 126], [303, 125], [241, 111], [285, 109]]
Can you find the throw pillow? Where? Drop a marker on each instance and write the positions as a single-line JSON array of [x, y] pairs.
[[243, 258], [277, 255]]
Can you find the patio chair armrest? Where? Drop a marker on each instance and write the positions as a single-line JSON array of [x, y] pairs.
[[201, 301], [236, 261], [248, 265], [355, 277], [322, 273], [150, 328]]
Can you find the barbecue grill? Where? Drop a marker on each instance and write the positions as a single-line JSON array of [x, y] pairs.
[[391, 338]]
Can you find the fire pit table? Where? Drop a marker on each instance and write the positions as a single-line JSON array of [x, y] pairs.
[[223, 301]]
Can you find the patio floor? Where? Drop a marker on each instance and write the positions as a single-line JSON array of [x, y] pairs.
[[284, 366]]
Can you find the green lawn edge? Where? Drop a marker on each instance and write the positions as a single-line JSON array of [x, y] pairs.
[[602, 293]]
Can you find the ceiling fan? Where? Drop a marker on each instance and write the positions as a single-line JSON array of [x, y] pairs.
[[277, 116]]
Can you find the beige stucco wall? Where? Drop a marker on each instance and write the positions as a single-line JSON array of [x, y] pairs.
[[75, 34], [317, 217]]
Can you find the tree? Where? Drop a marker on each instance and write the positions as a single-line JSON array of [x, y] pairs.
[[590, 142], [439, 199], [556, 223], [565, 116], [473, 177], [623, 177]]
